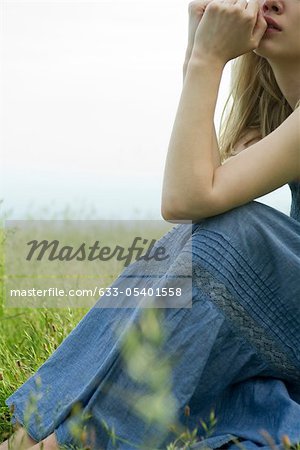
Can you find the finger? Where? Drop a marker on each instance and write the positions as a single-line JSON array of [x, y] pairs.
[[229, 2], [252, 7], [242, 3], [260, 26]]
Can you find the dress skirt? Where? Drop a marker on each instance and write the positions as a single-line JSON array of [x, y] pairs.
[[237, 348]]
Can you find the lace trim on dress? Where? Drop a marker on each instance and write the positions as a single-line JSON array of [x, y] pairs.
[[246, 325]]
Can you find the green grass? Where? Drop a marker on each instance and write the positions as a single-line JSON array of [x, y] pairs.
[[27, 338]]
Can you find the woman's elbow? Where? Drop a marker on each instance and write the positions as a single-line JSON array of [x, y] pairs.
[[170, 215], [167, 212], [172, 212]]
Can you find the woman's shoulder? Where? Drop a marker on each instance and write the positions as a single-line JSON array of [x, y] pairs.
[[249, 137]]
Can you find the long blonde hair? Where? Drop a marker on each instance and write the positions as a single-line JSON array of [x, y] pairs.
[[256, 102]]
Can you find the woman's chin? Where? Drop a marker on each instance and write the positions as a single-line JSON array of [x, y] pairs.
[[258, 52], [264, 49]]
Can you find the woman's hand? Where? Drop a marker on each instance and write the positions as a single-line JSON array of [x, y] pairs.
[[195, 12], [228, 29]]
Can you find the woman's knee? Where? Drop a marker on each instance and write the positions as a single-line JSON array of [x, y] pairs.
[[239, 225], [239, 236]]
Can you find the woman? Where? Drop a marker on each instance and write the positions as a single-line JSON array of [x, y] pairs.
[[239, 343]]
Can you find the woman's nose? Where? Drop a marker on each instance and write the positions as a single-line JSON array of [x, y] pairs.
[[271, 5]]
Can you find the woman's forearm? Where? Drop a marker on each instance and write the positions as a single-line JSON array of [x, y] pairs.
[[215, 145], [193, 152]]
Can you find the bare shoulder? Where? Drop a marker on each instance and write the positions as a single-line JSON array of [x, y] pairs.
[[250, 136]]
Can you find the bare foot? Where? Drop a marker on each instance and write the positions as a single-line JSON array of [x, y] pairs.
[[19, 440], [4, 445], [49, 443]]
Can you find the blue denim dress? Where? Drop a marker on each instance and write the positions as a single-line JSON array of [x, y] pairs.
[[238, 347]]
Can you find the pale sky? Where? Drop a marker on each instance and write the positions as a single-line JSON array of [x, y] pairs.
[[89, 94]]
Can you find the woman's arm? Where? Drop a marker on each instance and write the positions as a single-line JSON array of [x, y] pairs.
[[255, 171], [227, 30], [194, 188], [196, 10], [215, 145], [258, 170], [191, 161]]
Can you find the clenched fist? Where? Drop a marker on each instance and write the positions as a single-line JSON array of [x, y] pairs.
[[228, 29], [195, 13]]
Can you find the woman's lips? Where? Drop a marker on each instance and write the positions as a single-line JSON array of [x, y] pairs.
[[271, 22], [270, 30]]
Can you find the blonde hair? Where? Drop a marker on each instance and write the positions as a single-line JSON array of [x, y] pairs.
[[257, 102]]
